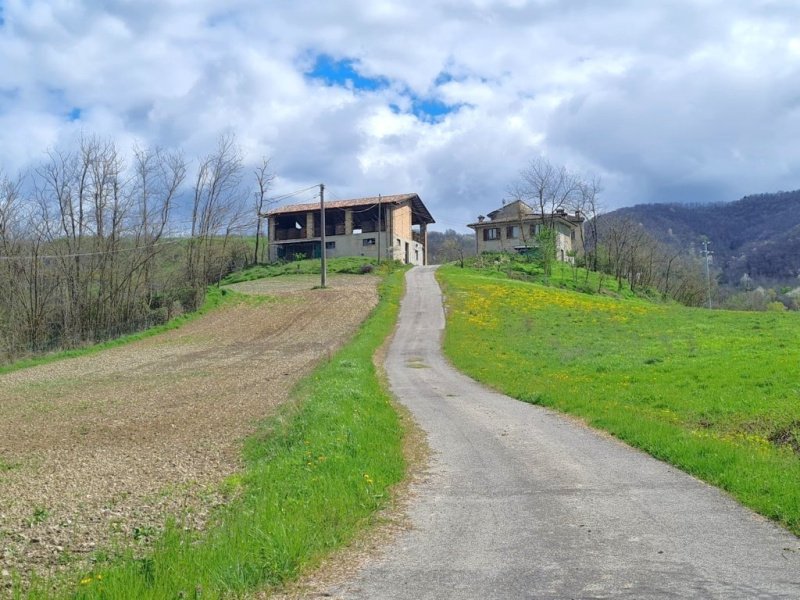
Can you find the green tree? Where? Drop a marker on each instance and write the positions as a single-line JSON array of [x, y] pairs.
[[546, 239]]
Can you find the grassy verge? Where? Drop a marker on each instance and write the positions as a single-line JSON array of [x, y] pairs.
[[315, 474], [355, 265], [563, 275], [215, 298], [713, 392]]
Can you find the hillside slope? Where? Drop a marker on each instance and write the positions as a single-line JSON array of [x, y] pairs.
[[758, 235]]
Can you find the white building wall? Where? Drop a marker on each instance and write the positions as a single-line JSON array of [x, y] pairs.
[[505, 244], [353, 245]]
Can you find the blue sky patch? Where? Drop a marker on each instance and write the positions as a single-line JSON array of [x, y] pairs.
[[443, 77], [344, 73], [430, 109], [9, 94], [74, 114]]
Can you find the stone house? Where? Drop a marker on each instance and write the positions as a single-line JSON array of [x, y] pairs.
[[515, 226], [390, 227]]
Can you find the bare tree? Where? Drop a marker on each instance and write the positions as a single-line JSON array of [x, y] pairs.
[[157, 179], [85, 252], [264, 179], [548, 187], [217, 212], [452, 249], [587, 201]]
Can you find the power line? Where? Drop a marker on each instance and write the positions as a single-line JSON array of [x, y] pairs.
[[292, 194], [80, 254]]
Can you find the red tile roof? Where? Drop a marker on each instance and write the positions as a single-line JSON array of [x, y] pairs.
[[418, 207]]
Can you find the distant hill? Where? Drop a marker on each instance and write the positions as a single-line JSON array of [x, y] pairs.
[[448, 246], [758, 235]]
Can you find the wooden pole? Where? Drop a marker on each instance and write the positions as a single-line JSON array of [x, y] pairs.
[[323, 280], [379, 229]]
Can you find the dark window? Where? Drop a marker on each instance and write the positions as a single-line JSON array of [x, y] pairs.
[[512, 232], [491, 233], [368, 242], [330, 245]]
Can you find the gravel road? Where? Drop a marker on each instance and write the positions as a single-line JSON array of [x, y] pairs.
[[523, 503]]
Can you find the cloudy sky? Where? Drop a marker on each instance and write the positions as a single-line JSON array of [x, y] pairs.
[[682, 100]]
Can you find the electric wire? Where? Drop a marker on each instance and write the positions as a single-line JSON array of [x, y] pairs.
[[104, 252]]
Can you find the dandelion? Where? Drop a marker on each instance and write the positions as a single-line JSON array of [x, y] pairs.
[[86, 581]]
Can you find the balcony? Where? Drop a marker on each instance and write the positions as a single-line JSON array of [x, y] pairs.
[[290, 234]]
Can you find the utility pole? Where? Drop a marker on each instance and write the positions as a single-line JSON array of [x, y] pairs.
[[323, 259], [379, 229], [706, 253]]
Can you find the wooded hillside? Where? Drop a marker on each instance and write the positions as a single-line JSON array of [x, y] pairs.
[[758, 235]]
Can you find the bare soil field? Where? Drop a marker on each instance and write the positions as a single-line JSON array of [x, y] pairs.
[[96, 452]]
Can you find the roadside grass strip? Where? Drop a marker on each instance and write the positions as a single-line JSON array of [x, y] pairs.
[[315, 475], [715, 393]]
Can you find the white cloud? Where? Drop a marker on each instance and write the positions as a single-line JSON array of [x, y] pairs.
[[692, 100]]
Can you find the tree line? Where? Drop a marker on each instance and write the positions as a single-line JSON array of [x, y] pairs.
[[613, 247], [92, 246]]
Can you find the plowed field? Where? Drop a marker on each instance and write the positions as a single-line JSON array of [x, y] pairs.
[[95, 452]]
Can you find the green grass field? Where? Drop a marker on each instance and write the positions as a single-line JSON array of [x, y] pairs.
[[716, 393], [315, 476], [354, 265]]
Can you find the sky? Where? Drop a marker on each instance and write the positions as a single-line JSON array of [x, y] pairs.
[[665, 101]]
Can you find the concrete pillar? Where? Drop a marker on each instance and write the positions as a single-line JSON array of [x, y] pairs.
[[348, 222], [390, 231], [423, 229], [272, 249], [309, 224]]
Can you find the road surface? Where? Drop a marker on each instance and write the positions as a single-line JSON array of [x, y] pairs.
[[523, 503]]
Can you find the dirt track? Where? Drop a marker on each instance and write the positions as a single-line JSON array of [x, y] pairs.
[[98, 450]]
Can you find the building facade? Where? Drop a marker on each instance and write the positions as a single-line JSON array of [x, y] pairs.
[[389, 227], [515, 228]]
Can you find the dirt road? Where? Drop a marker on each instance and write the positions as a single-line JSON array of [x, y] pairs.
[[523, 503], [98, 450]]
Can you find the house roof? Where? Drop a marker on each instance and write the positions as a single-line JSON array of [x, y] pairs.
[[517, 208], [520, 212], [573, 219], [419, 212]]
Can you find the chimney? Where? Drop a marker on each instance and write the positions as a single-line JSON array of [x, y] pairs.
[[481, 218], [577, 213]]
